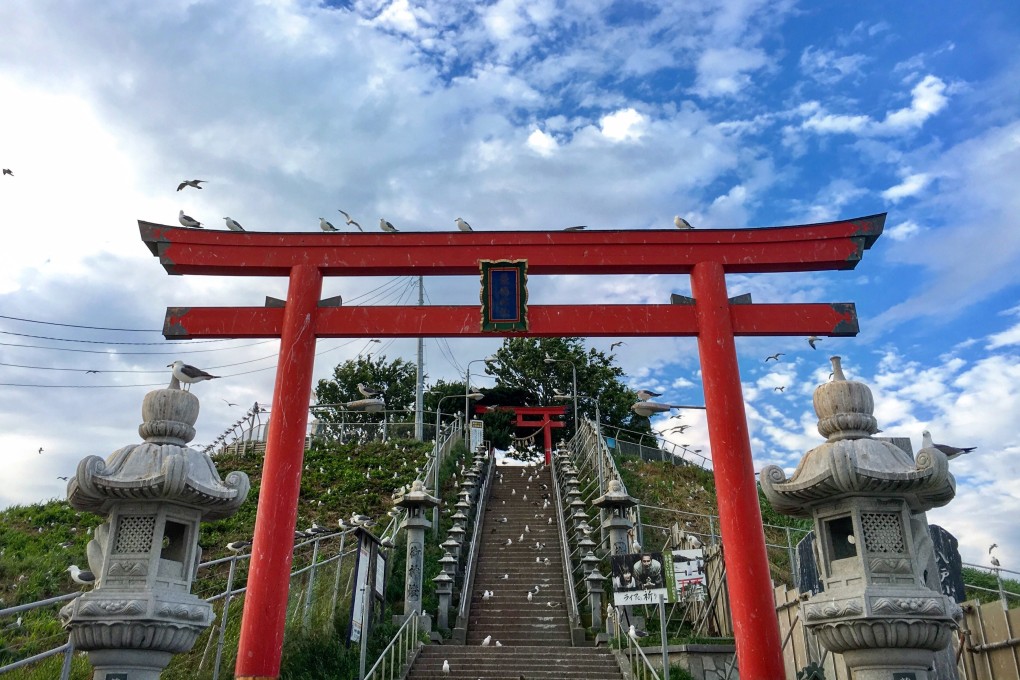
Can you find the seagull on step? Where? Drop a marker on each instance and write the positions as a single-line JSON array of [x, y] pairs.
[[487, 641], [446, 666]]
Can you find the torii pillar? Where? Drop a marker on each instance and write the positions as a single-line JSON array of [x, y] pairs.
[[707, 255], [545, 417]]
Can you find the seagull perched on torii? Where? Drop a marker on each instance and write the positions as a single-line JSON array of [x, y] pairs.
[[184, 373]]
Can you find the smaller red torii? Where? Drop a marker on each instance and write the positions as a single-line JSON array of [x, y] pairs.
[[526, 417]]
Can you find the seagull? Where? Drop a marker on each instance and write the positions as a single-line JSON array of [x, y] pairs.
[[462, 225], [326, 226], [779, 389], [950, 451], [188, 374], [229, 403], [80, 576], [530, 594], [681, 223], [238, 546], [992, 547], [580, 227], [349, 220], [8, 171], [233, 225], [65, 479], [995, 562], [446, 666], [775, 357], [370, 391], [504, 577], [486, 594], [509, 541], [498, 643], [645, 395], [812, 339], [188, 221], [616, 344], [632, 632], [487, 641], [193, 183], [40, 450], [91, 370], [358, 520], [386, 226]]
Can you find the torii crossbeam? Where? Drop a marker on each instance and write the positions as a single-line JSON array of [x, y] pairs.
[[707, 255]]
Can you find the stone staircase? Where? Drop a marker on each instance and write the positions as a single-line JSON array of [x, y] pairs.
[[534, 636]]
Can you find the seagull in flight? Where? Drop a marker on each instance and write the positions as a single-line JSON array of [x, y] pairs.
[[91, 370], [8, 171], [65, 479], [812, 339], [40, 450], [950, 451], [579, 227], [645, 395], [681, 223], [775, 357], [616, 344], [326, 226], [188, 221], [462, 225], [233, 225], [386, 226], [349, 220], [779, 389], [229, 403], [193, 183], [992, 547], [187, 374]]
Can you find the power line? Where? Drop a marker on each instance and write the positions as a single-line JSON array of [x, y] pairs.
[[96, 351], [71, 325], [107, 342]]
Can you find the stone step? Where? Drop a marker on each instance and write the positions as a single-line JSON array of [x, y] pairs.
[[515, 662]]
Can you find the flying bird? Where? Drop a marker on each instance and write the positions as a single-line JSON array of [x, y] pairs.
[[645, 395], [950, 451], [7, 171], [188, 221], [386, 226], [187, 374], [681, 223], [81, 576], [40, 450], [779, 389], [233, 225], [229, 403], [812, 339], [579, 227], [616, 344], [992, 547], [326, 226], [775, 357], [462, 225], [65, 479], [91, 370], [193, 183], [349, 220]]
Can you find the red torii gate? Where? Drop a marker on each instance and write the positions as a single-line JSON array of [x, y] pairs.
[[707, 255], [536, 417]]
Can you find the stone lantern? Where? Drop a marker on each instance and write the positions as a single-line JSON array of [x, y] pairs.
[[154, 496], [867, 498], [594, 581], [415, 501], [444, 589], [614, 504]]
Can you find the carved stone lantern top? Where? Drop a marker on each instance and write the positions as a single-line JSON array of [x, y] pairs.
[[162, 468], [417, 497], [615, 498], [851, 462]]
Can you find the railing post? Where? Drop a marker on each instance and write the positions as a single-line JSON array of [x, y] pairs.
[[336, 581], [306, 618], [223, 618], [65, 669]]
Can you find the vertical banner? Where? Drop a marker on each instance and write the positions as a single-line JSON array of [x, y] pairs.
[[504, 295], [365, 586], [476, 437]]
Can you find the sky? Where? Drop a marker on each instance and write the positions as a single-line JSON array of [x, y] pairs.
[[518, 114]]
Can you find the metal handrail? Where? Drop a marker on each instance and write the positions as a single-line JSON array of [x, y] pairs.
[[573, 613], [399, 647], [469, 567]]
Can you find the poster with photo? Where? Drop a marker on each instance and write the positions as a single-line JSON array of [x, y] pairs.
[[639, 578], [688, 576]]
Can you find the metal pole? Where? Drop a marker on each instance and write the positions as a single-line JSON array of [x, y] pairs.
[[435, 469], [65, 669], [662, 636], [265, 606], [573, 373], [311, 584], [419, 394], [336, 581], [223, 619], [755, 626], [364, 635]]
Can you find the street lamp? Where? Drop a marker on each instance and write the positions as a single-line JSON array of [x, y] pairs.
[[437, 459], [467, 389], [573, 372]]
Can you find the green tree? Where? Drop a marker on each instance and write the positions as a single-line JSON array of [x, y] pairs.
[[396, 379], [522, 366]]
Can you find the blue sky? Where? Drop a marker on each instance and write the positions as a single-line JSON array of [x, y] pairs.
[[520, 114]]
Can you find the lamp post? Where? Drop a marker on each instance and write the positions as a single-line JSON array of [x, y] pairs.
[[438, 457], [573, 374], [467, 389]]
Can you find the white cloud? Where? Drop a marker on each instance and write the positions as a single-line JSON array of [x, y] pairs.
[[910, 186], [903, 231], [828, 67], [623, 125], [726, 71], [542, 143]]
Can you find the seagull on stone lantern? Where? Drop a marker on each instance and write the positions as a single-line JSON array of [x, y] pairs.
[[187, 374], [950, 451]]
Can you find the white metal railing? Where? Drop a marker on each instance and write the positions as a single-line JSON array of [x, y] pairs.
[[399, 652], [571, 583], [469, 565], [304, 600], [640, 667]]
